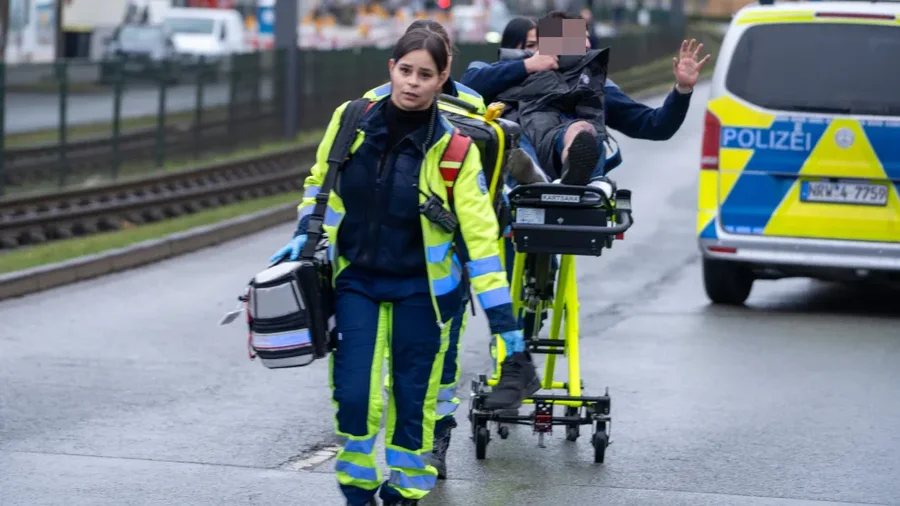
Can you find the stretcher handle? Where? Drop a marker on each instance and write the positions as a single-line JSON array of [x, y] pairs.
[[621, 215]]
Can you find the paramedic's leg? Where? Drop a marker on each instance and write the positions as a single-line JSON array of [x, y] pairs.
[[356, 389], [416, 362], [447, 401], [527, 321]]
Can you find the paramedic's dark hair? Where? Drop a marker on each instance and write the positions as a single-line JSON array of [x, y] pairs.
[[434, 26], [419, 38], [516, 33], [554, 15]]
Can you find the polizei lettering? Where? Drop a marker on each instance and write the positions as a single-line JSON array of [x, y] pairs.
[[762, 139]]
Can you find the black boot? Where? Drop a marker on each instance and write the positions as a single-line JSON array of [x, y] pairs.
[[518, 381], [522, 168], [438, 457], [372, 502], [581, 159]]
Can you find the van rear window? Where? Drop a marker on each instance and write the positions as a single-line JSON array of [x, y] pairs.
[[819, 67]]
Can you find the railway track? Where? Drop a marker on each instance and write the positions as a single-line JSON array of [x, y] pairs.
[[35, 220]]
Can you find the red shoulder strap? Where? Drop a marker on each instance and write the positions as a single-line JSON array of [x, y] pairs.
[[369, 106], [452, 160]]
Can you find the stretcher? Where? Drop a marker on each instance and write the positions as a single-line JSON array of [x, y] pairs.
[[547, 222], [550, 222]]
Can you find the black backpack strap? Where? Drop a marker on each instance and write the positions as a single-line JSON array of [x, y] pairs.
[[340, 150]]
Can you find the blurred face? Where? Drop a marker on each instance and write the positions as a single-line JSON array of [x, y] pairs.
[[415, 80]]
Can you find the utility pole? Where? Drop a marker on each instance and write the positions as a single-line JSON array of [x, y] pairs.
[[286, 21], [4, 25], [60, 42]]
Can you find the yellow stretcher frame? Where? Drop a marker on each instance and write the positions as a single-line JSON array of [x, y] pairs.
[[565, 307], [564, 332]]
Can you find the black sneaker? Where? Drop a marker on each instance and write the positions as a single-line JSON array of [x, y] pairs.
[[438, 457], [580, 162], [522, 168], [518, 381]]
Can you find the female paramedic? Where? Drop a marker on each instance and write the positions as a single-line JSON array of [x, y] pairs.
[[448, 401], [395, 279]]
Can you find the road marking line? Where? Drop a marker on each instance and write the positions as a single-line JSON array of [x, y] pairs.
[[310, 461]]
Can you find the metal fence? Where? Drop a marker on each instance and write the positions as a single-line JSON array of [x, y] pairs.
[[78, 124]]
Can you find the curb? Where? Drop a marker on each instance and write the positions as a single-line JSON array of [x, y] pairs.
[[28, 281], [19, 283]]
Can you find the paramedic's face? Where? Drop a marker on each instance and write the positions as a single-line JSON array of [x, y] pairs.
[[531, 40], [415, 80]]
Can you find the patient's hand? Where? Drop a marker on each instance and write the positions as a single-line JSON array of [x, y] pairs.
[[686, 67], [541, 62]]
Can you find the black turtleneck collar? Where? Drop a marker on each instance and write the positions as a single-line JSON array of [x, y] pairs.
[[401, 123]]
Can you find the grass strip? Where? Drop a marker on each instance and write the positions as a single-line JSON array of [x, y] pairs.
[[59, 251]]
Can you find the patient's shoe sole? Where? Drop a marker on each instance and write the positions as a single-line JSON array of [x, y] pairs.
[[582, 158]]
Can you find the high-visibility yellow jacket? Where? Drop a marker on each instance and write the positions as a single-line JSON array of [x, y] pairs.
[[475, 239]]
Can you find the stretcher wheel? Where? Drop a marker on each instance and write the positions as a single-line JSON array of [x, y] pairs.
[[600, 442], [503, 431], [482, 436], [573, 430]]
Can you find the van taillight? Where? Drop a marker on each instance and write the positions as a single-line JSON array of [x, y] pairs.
[[712, 127]]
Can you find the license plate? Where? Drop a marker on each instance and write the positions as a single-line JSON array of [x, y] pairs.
[[530, 216], [844, 193]]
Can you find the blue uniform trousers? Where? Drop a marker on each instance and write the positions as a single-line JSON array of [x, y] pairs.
[[375, 314]]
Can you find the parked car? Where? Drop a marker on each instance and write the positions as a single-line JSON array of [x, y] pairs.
[[140, 51]]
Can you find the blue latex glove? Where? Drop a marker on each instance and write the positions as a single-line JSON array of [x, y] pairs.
[[515, 341], [292, 248]]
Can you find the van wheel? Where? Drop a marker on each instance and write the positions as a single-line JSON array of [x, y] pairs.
[[726, 282]]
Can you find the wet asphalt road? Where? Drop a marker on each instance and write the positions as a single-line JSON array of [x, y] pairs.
[[123, 390]]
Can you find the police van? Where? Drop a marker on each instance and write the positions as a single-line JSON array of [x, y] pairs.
[[800, 162]]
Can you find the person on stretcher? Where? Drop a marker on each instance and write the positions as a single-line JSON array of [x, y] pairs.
[[620, 112]]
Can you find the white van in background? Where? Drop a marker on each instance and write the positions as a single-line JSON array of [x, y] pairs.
[[211, 33]]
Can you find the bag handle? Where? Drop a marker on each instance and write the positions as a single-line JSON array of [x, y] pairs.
[[340, 150]]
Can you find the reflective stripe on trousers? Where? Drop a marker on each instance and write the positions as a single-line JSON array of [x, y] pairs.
[[366, 328]]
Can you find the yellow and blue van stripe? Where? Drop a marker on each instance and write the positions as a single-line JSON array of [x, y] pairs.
[[764, 156]]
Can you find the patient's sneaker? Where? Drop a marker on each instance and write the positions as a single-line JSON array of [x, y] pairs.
[[604, 184], [523, 169], [581, 159], [518, 381]]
